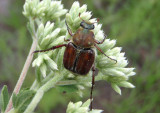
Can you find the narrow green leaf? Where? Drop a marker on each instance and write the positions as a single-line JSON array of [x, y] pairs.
[[38, 75], [14, 98], [126, 84], [116, 88], [4, 98], [21, 100]]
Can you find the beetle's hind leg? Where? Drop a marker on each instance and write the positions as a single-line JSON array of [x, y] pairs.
[[69, 30], [94, 73]]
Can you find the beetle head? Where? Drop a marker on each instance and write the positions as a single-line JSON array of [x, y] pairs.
[[86, 25]]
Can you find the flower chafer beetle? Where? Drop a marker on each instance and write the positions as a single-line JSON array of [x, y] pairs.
[[78, 56]]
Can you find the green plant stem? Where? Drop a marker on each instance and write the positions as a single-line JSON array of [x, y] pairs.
[[52, 83], [38, 96], [71, 82], [56, 80], [48, 85], [35, 85], [12, 111]]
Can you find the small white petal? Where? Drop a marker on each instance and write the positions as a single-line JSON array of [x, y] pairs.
[[116, 88], [87, 103], [45, 41], [43, 69], [40, 29], [48, 28], [60, 13], [52, 65], [126, 84], [74, 6], [78, 104], [55, 33], [83, 8], [80, 87], [96, 111], [57, 41], [131, 74], [93, 20], [38, 61], [113, 72], [69, 19], [86, 15]]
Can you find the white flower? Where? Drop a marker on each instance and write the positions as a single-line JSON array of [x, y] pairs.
[[48, 36], [45, 9], [116, 73], [80, 107]]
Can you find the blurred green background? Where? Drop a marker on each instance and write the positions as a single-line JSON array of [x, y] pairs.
[[135, 26]]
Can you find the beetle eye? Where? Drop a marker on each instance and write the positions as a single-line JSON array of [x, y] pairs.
[[93, 26], [81, 24]]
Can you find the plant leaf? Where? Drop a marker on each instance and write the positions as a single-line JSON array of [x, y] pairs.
[[4, 98], [116, 88], [21, 100], [14, 98]]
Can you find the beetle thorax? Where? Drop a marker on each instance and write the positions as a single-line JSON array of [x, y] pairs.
[[83, 38]]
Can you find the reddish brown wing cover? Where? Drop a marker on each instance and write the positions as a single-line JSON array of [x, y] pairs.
[[77, 60], [69, 57], [84, 61]]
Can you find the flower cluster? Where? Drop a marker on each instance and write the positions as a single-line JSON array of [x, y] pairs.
[[47, 25], [47, 38], [115, 73], [49, 35], [45, 9], [80, 107]]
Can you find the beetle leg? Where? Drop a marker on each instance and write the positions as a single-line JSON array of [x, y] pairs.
[[98, 42], [93, 82], [69, 30], [104, 53], [66, 40], [52, 48]]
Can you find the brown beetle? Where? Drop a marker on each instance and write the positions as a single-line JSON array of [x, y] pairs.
[[78, 56]]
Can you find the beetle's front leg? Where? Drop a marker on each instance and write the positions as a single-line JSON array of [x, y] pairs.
[[69, 30], [100, 42], [52, 48]]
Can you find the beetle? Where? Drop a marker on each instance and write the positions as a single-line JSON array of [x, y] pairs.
[[79, 56]]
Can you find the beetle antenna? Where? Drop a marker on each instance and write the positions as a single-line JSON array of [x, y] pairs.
[[85, 21], [105, 54], [80, 17], [68, 29], [97, 21]]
